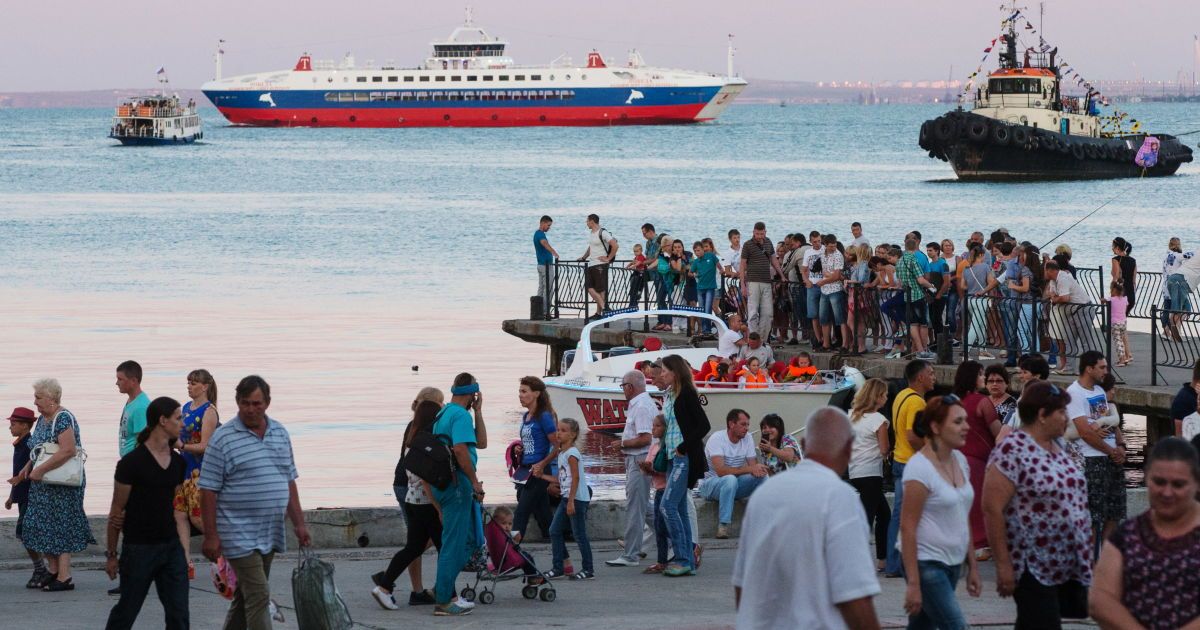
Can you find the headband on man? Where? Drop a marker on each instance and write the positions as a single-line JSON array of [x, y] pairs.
[[463, 390]]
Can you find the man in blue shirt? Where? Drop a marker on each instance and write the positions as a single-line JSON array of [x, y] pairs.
[[546, 255], [460, 534], [133, 416]]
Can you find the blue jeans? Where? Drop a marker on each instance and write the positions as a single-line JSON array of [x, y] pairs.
[[459, 516], [558, 545], [833, 308], [164, 565], [1008, 318], [939, 609], [660, 528], [662, 289], [726, 490], [799, 296], [952, 318], [674, 511], [706, 297], [893, 564], [1179, 292]]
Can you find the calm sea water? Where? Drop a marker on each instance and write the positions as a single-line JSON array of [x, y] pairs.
[[351, 267]]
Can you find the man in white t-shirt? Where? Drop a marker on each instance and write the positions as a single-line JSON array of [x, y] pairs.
[[635, 443], [1103, 448], [826, 579], [856, 232], [602, 249], [733, 468], [733, 255], [732, 341]]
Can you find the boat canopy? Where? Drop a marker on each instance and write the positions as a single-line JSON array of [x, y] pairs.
[[583, 350]]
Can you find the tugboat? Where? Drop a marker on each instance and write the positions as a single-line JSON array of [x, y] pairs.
[[156, 120], [1022, 127]]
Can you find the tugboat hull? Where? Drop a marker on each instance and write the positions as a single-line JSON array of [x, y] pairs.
[[983, 149]]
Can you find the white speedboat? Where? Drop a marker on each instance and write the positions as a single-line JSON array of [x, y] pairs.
[[590, 387]]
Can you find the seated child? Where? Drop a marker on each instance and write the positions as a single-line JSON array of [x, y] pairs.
[[801, 370], [502, 552], [753, 377]]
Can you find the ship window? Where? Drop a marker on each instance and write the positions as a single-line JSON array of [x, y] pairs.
[[519, 77], [406, 96], [408, 79], [346, 96], [361, 96], [422, 96], [362, 79], [457, 77], [440, 77], [504, 77], [487, 77], [472, 77], [377, 79], [538, 77], [583, 76], [393, 78], [331, 96], [468, 96], [568, 77]]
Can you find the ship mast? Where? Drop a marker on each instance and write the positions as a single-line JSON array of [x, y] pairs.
[[217, 59], [729, 58]]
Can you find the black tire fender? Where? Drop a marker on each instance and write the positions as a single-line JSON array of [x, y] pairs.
[[977, 130], [1001, 135]]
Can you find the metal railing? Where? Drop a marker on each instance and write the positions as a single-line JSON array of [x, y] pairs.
[[1020, 326], [1174, 340]]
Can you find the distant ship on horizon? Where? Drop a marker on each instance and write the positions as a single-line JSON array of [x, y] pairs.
[[469, 81]]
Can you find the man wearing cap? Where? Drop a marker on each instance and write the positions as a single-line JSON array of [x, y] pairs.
[[20, 423]]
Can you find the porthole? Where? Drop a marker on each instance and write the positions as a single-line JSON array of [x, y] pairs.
[[446, 117], [354, 119], [314, 120]]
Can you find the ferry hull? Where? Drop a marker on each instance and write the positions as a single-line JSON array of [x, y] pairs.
[[466, 117], [136, 141]]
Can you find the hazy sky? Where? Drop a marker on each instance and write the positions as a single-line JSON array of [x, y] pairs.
[[84, 44]]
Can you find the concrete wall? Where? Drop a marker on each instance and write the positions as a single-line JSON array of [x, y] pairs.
[[384, 527]]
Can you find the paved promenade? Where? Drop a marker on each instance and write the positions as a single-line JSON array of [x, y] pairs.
[[617, 598]]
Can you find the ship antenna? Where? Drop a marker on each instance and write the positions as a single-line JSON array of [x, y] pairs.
[[217, 58], [470, 16], [729, 58]]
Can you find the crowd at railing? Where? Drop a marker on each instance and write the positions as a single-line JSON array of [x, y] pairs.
[[988, 326]]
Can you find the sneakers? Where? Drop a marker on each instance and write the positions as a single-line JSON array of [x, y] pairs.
[[450, 610], [926, 355], [621, 562], [583, 575], [722, 532], [554, 574], [114, 591], [386, 600], [421, 598], [462, 603], [793, 342]]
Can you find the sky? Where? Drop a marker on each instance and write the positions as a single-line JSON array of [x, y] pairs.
[[83, 44]]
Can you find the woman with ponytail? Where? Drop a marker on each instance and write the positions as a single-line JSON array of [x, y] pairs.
[[539, 443], [1124, 270], [142, 511], [935, 531]]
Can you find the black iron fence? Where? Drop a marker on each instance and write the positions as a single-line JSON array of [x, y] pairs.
[[1174, 340], [981, 323]]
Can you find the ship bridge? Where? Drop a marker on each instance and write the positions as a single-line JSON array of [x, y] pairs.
[[469, 46]]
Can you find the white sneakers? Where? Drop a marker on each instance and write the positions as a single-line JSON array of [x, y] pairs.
[[621, 561], [464, 604], [385, 599]]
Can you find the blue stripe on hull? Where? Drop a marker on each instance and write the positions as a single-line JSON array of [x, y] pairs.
[[153, 142], [581, 97]]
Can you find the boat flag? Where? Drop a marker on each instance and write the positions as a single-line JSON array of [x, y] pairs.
[[161, 70], [1147, 156]]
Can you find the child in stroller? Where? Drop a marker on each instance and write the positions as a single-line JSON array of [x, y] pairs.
[[506, 561]]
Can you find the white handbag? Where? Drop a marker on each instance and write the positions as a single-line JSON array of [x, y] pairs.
[[70, 473]]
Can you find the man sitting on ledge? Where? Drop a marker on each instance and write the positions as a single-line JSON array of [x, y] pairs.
[[733, 468]]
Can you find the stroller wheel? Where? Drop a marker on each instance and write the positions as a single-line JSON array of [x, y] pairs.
[[486, 597], [547, 595], [529, 592], [468, 593]]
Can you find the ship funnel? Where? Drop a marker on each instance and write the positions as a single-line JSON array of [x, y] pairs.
[[304, 64], [595, 60]]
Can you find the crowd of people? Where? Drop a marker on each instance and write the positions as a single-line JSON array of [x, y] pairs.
[[899, 299]]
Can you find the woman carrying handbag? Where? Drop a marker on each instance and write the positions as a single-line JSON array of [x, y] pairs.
[[55, 524]]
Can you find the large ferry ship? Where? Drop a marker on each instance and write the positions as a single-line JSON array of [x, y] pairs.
[[469, 81]]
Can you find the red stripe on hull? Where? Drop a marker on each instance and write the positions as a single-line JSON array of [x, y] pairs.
[[466, 116]]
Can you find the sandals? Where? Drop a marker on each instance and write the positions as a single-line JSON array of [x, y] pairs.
[[657, 567], [57, 585], [41, 577]]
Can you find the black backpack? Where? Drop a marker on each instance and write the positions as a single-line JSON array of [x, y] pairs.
[[430, 457]]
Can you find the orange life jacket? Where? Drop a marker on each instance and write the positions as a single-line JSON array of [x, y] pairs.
[[802, 373], [754, 381]]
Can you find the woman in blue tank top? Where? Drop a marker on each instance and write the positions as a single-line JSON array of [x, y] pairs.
[[200, 419]]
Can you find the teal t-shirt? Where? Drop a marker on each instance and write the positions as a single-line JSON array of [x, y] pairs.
[[705, 268], [457, 423], [133, 420]]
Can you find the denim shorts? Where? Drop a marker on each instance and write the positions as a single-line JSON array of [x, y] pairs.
[[833, 308], [814, 303], [1179, 292]]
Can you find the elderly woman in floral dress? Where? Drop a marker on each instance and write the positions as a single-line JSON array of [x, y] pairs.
[[55, 524]]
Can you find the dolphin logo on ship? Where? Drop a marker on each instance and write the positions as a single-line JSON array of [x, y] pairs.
[[633, 96], [266, 98]]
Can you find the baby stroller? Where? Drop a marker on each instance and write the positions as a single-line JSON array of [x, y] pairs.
[[502, 546]]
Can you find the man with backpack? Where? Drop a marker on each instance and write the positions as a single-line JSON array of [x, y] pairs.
[[602, 249], [460, 534], [908, 404]]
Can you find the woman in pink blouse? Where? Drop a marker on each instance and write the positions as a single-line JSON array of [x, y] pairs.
[[1035, 507]]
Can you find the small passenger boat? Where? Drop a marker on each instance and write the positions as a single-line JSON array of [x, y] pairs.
[[590, 387], [156, 120]]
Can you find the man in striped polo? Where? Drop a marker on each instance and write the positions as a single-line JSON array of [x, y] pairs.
[[247, 488]]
